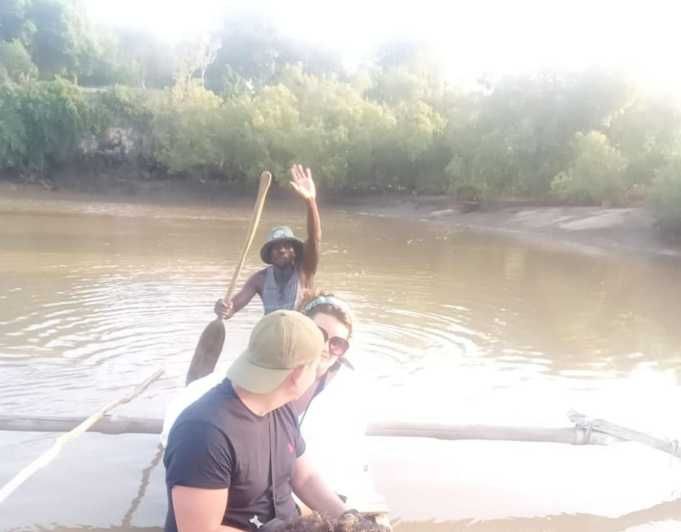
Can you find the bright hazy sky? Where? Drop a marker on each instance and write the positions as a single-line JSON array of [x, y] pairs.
[[494, 37]]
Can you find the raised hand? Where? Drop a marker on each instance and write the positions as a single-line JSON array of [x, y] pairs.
[[302, 182]]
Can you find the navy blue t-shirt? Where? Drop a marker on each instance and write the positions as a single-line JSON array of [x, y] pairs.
[[218, 443]]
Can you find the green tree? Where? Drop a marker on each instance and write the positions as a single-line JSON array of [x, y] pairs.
[[184, 129], [338, 131], [251, 49], [517, 135], [248, 49], [43, 124], [596, 174], [647, 132], [14, 21], [242, 149], [14, 141], [15, 62], [54, 45], [398, 84], [665, 197], [147, 62], [276, 118], [63, 43]]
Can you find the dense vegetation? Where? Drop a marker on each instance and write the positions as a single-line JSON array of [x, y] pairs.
[[247, 98]]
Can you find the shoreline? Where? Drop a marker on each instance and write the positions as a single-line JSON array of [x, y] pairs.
[[590, 230]]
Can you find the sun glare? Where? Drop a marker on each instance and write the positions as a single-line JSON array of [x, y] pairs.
[[483, 38]]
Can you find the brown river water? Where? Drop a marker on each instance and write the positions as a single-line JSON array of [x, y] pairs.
[[453, 327]]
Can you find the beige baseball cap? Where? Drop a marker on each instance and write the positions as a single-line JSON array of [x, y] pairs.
[[280, 342]]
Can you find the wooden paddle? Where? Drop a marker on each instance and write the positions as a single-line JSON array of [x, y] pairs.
[[212, 338]]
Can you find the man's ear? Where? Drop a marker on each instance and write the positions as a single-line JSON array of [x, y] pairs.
[[295, 376]]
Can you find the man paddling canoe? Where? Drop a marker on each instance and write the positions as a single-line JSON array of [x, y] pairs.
[[292, 262]]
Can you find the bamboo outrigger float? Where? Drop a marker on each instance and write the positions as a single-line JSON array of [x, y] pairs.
[[585, 431]]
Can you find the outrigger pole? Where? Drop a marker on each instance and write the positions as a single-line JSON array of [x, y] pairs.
[[585, 431], [73, 432]]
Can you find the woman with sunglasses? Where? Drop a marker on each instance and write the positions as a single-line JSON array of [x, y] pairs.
[[333, 413], [334, 319]]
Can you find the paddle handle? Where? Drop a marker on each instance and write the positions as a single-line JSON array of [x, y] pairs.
[[263, 187]]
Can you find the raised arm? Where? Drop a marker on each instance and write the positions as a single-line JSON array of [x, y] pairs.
[[303, 184], [313, 491]]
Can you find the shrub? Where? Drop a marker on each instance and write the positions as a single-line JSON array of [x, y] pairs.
[[42, 126], [15, 62], [596, 174], [665, 197]]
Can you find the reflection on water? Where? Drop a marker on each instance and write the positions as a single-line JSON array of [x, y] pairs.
[[660, 518], [453, 327]]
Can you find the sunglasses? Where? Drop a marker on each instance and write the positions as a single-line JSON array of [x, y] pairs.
[[337, 345]]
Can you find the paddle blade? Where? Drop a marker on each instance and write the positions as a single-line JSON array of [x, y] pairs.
[[207, 350]]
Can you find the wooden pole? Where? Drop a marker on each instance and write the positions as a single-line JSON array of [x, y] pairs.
[[569, 435], [586, 432], [105, 425], [127, 425], [62, 440]]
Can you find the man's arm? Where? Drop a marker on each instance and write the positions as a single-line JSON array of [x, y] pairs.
[[303, 184], [313, 491], [254, 285], [200, 510], [314, 238]]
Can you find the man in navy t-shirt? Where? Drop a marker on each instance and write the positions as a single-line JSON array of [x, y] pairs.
[[235, 456]]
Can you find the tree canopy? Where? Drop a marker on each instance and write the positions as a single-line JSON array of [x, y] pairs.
[[227, 104]]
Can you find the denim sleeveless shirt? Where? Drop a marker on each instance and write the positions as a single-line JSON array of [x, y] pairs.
[[275, 297]]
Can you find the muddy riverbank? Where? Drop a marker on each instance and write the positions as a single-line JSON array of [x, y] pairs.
[[591, 230]]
